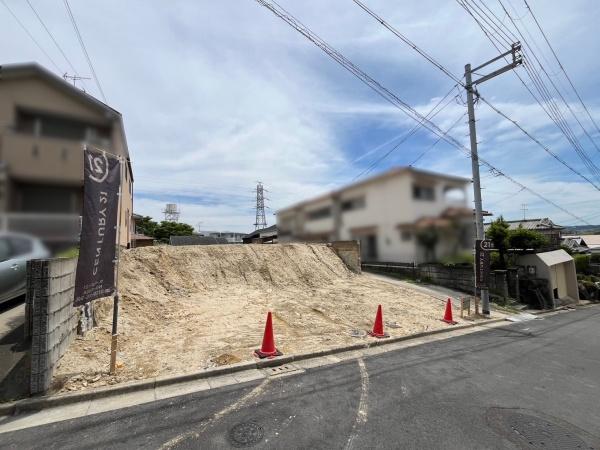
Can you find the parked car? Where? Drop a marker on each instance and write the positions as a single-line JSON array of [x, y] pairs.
[[15, 250]]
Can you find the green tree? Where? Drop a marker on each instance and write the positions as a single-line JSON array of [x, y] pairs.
[[428, 238], [146, 226], [167, 229], [498, 233], [526, 239]]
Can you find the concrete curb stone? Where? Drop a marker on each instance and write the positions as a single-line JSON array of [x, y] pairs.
[[39, 403]]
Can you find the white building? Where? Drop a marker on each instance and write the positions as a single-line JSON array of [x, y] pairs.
[[233, 237], [402, 215]]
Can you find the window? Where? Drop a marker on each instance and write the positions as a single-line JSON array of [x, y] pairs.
[[48, 125], [406, 235], [353, 203], [423, 192], [320, 213], [25, 123]]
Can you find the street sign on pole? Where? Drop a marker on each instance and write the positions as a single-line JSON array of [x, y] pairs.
[[482, 262]]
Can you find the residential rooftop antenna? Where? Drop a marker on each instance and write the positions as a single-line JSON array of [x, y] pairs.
[[75, 79]]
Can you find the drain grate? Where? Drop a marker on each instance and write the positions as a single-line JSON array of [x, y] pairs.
[[282, 370], [246, 434], [531, 431]]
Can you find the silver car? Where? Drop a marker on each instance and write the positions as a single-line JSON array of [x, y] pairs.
[[15, 250]]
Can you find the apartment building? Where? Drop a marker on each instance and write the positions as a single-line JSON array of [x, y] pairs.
[[45, 123], [402, 215]]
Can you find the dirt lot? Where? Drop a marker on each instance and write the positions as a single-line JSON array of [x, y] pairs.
[[188, 308]]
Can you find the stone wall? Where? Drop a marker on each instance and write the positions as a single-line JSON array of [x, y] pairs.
[[53, 321], [349, 252]]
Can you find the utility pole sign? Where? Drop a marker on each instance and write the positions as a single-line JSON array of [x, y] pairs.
[[95, 277], [482, 262]]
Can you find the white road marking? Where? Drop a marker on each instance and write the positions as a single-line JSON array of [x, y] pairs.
[[229, 409], [363, 412]]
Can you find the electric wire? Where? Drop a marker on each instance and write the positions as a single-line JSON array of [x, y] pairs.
[[411, 132], [60, 49], [562, 67], [31, 36], [83, 48], [550, 108], [385, 93]]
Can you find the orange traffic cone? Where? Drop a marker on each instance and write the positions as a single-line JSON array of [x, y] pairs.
[[448, 314], [378, 325], [267, 349]]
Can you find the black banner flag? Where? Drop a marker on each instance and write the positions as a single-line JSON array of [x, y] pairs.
[[95, 276]]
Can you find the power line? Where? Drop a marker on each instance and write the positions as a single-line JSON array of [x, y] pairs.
[[85, 52], [551, 110], [424, 152], [561, 66], [389, 96], [52, 37], [31, 36], [410, 133], [550, 79], [508, 39]]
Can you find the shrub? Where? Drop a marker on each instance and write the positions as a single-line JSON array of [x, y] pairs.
[[582, 263], [524, 239]]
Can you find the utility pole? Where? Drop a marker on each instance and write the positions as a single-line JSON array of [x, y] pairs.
[[524, 209], [470, 86], [261, 220]]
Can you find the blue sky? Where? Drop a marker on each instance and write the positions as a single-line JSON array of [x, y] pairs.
[[218, 95]]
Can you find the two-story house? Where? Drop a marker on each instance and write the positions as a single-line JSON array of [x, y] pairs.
[[45, 123], [401, 215]]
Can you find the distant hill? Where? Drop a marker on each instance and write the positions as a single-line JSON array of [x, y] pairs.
[[582, 229]]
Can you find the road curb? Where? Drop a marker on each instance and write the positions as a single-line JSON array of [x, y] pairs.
[[39, 403]]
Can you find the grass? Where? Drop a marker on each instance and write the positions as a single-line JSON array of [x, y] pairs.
[[72, 252]]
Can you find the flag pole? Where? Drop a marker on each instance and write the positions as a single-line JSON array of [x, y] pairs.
[[115, 332]]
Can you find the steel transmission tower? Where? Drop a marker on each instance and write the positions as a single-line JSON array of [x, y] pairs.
[[261, 221]]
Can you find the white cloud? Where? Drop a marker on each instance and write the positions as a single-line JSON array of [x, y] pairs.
[[218, 95]]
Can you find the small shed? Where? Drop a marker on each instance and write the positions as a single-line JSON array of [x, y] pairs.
[[140, 240], [558, 267]]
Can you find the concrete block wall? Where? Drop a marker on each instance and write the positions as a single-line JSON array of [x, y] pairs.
[[460, 278], [54, 320], [349, 252]]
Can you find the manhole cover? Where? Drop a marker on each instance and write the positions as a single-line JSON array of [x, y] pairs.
[[246, 434], [530, 431]]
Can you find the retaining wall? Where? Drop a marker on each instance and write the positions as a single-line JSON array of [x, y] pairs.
[[53, 320], [349, 252]]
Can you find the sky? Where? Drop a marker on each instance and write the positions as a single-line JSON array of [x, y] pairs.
[[216, 96]]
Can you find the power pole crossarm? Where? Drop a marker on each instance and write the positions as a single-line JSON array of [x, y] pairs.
[[470, 88]]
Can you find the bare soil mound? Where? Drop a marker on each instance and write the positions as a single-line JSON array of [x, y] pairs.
[[193, 307]]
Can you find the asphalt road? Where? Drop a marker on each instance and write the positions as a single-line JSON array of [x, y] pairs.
[[14, 359], [518, 386]]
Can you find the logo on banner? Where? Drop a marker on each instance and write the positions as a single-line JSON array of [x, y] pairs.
[[98, 167]]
